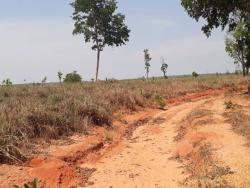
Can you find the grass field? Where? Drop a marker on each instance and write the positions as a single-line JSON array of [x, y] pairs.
[[40, 113]]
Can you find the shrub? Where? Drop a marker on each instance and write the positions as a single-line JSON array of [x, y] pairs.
[[7, 82], [160, 101], [72, 78], [229, 104], [195, 75], [33, 184]]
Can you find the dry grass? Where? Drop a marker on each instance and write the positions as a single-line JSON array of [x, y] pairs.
[[204, 172], [240, 122], [33, 113], [188, 123]]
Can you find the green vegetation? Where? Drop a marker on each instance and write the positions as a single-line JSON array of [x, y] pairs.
[[195, 75], [98, 21], [72, 78], [147, 60], [7, 82], [160, 101], [164, 67], [44, 80], [231, 15], [31, 114], [229, 104], [59, 75], [33, 184], [237, 48]]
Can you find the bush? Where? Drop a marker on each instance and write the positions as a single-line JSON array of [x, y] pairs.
[[195, 75], [7, 82], [160, 101], [33, 184], [72, 78], [229, 104]]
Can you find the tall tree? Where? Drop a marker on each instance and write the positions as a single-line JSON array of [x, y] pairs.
[[236, 46], [220, 13], [217, 13], [59, 75], [98, 21], [164, 67], [147, 60]]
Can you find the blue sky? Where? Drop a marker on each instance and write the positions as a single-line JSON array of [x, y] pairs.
[[36, 41]]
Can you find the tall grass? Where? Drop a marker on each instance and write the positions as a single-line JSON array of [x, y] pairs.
[[31, 113]]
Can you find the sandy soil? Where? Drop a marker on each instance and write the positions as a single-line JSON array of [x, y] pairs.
[[142, 151]]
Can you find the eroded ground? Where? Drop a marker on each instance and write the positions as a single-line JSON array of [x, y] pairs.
[[197, 142]]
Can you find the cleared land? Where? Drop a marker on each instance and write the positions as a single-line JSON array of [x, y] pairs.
[[197, 141]]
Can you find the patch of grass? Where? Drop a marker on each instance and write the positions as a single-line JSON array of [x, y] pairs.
[[203, 169], [187, 123], [160, 101], [229, 104], [240, 122], [35, 113], [33, 184]]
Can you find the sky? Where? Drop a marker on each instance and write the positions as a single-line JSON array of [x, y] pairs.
[[36, 41]]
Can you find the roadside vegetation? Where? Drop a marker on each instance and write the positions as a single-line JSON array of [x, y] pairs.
[[40, 113]]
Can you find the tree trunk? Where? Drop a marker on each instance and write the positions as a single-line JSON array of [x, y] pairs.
[[243, 68], [97, 66]]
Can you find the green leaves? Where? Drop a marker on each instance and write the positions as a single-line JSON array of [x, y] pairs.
[[237, 45], [217, 13], [33, 184], [98, 22], [147, 60], [72, 78]]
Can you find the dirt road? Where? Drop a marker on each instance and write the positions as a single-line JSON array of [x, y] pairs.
[[146, 160], [187, 145]]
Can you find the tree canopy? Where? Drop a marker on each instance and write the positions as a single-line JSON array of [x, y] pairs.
[[98, 21], [217, 13], [236, 46]]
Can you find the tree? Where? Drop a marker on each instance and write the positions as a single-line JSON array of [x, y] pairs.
[[147, 60], [164, 67], [44, 80], [72, 77], [7, 82], [60, 74], [98, 21], [195, 75], [236, 46], [220, 13], [217, 13]]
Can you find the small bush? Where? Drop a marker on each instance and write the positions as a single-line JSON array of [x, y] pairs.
[[160, 101], [229, 104], [72, 78], [195, 75], [7, 82], [33, 184]]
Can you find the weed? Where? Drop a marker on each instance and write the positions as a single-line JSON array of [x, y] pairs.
[[229, 104], [160, 101], [33, 184], [240, 123]]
